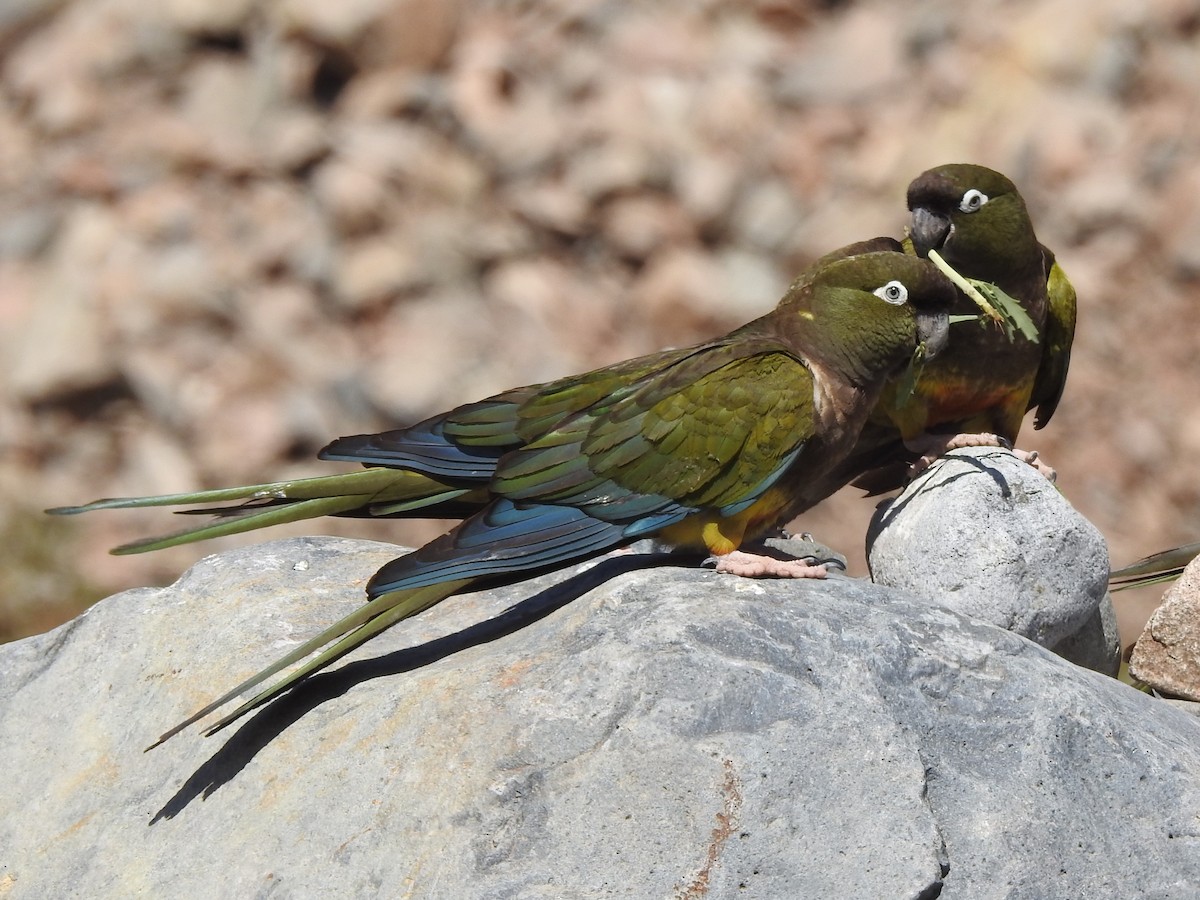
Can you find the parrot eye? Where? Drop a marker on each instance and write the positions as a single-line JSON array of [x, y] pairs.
[[893, 292], [972, 200]]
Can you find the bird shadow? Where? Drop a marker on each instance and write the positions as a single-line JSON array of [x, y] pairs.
[[267, 724]]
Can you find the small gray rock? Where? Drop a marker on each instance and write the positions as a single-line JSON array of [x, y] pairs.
[[605, 731], [982, 533]]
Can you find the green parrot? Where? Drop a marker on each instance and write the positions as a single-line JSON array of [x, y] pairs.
[[705, 447], [976, 219], [978, 391], [1154, 569]]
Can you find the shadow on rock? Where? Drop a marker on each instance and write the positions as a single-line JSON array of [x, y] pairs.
[[291, 706]]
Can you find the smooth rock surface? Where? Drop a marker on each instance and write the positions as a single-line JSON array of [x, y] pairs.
[[609, 731], [982, 533], [1167, 655]]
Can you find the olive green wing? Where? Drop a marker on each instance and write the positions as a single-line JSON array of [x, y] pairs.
[[1058, 333], [524, 414], [709, 434], [712, 431]]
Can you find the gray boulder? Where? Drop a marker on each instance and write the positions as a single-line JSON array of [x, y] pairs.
[[628, 729], [982, 533]]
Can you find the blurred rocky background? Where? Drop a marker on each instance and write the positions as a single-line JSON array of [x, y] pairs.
[[231, 230]]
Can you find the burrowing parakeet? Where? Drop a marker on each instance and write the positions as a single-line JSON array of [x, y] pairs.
[[704, 447], [977, 220], [987, 380]]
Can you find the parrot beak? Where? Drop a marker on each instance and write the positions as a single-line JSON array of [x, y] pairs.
[[929, 230], [933, 330]]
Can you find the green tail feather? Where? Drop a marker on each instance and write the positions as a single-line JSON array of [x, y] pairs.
[[272, 515], [1155, 569], [383, 491], [361, 625], [365, 481], [1145, 580]]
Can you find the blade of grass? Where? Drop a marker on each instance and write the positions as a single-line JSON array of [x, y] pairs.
[[995, 303]]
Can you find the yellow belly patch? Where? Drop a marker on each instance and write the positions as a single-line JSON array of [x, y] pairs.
[[723, 534]]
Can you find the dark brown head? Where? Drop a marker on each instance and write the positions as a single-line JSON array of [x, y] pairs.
[[975, 218]]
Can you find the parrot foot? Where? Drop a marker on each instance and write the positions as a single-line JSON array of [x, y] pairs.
[[931, 446], [1034, 459], [752, 565]]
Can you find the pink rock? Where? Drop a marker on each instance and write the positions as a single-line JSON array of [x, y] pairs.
[[1167, 655]]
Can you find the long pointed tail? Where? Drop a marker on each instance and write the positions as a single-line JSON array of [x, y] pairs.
[[361, 625], [502, 539], [1154, 569], [381, 492]]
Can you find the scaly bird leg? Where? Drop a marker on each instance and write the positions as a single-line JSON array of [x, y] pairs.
[[931, 446], [752, 565]]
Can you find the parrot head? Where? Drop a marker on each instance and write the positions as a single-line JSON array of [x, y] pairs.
[[973, 216], [872, 311]]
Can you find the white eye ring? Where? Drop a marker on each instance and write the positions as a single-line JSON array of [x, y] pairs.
[[972, 200], [893, 292]]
